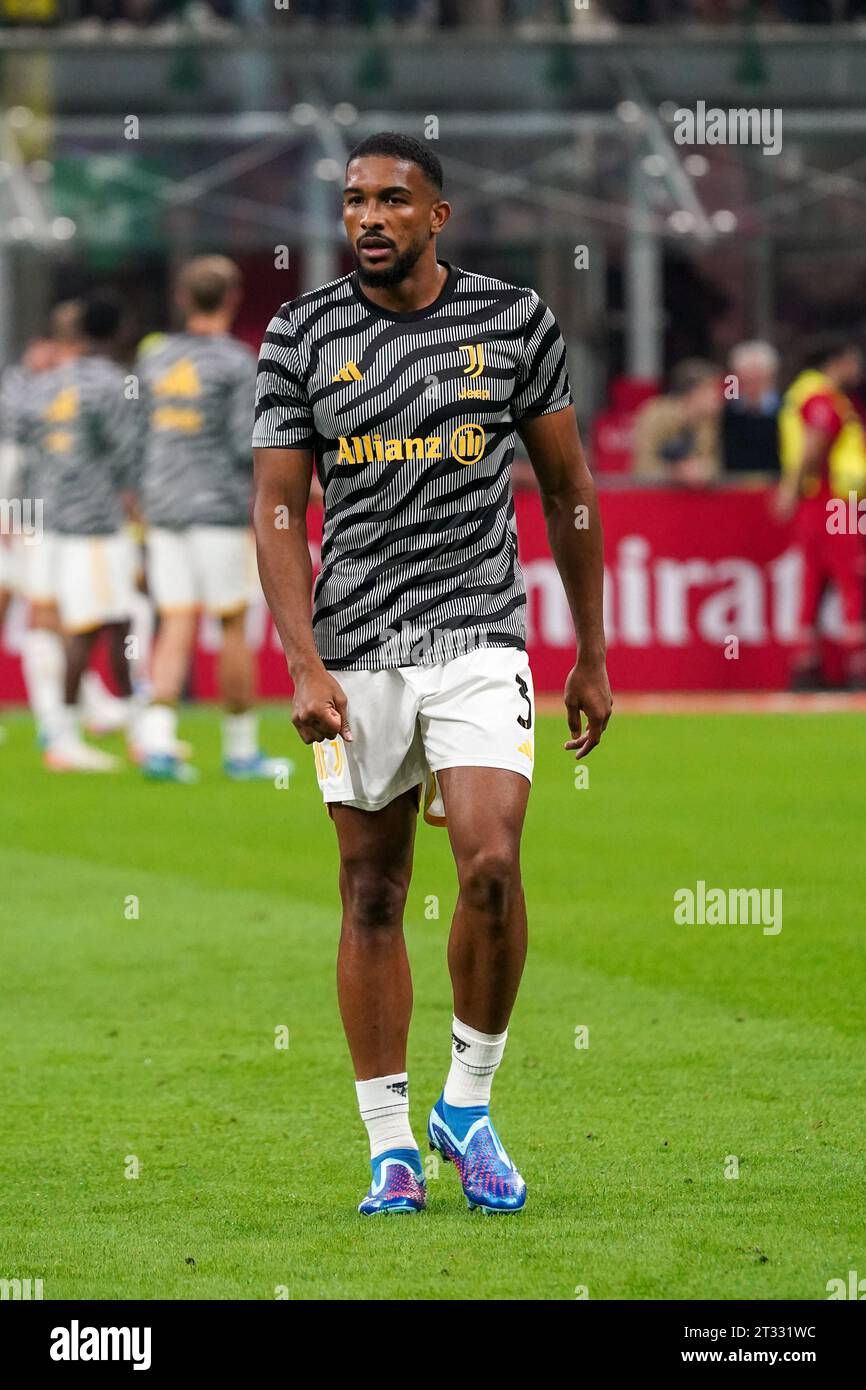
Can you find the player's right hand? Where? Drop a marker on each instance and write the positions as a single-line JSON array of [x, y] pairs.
[[320, 707]]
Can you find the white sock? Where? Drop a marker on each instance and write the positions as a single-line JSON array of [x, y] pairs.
[[94, 696], [157, 730], [240, 736], [65, 730], [131, 708], [43, 663], [384, 1105], [474, 1059]]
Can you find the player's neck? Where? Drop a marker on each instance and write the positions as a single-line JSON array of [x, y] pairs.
[[208, 323], [424, 284]]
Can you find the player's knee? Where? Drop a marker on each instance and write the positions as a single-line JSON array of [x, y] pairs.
[[373, 901], [490, 879]]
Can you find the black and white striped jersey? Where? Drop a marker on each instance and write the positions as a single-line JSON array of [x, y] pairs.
[[79, 429], [412, 419], [197, 394]]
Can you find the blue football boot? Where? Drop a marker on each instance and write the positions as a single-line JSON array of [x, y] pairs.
[[464, 1136], [258, 768], [398, 1183], [166, 767]]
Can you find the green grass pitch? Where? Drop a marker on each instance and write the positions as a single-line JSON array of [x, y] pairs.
[[154, 1039]]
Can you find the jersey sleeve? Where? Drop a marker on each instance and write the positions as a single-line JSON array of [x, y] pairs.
[[283, 414], [542, 384], [820, 413]]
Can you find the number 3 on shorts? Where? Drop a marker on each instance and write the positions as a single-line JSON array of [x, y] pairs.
[[526, 722]]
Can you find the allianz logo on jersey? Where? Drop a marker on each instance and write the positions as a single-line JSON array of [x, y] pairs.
[[467, 445]]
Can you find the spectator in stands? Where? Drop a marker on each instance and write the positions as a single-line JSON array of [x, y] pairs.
[[677, 436], [823, 451], [750, 418]]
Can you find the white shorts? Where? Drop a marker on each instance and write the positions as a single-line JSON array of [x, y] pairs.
[[37, 568], [210, 567], [409, 722], [94, 580]]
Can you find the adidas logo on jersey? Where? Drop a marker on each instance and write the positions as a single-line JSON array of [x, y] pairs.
[[64, 406], [349, 372], [180, 380]]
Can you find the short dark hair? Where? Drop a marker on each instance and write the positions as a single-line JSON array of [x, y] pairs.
[[828, 346], [389, 142], [101, 317]]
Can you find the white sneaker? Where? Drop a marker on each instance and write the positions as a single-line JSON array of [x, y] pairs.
[[73, 755], [106, 720]]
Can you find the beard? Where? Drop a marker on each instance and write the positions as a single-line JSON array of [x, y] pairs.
[[394, 273]]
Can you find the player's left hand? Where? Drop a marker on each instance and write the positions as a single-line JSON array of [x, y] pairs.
[[587, 690]]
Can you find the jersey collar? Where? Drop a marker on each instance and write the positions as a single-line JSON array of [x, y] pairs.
[[444, 294]]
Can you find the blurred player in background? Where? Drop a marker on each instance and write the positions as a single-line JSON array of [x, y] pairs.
[[82, 431], [823, 450], [29, 567], [198, 393], [10, 488], [30, 562]]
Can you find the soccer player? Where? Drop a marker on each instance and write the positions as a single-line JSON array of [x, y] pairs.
[[82, 428], [403, 384], [33, 558], [29, 561], [198, 389], [823, 449]]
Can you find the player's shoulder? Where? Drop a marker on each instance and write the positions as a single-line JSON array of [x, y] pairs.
[[295, 312], [473, 280], [822, 410], [488, 286], [156, 349], [231, 352], [95, 369]]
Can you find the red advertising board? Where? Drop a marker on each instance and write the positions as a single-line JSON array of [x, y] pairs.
[[702, 593]]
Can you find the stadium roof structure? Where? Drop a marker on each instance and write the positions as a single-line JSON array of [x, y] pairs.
[[550, 139]]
